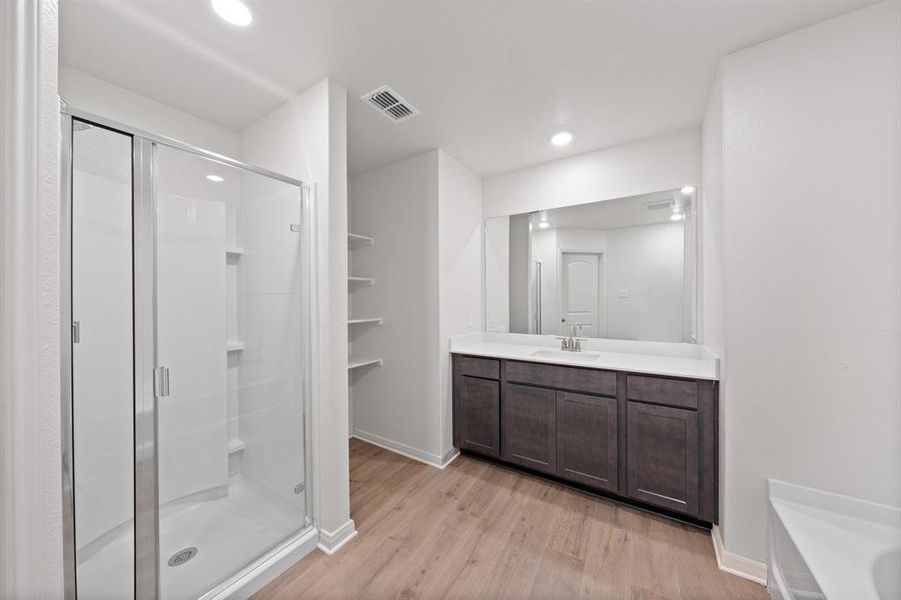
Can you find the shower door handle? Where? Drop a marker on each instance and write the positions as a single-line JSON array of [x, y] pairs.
[[161, 382]]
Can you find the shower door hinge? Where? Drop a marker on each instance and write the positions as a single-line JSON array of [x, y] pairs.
[[76, 332], [161, 382], [299, 488], [295, 227]]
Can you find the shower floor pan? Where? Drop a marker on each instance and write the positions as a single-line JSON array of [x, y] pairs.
[[228, 533]]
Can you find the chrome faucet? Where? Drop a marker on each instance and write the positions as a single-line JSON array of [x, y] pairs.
[[573, 343]]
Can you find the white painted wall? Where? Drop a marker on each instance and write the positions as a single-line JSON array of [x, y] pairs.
[[425, 215], [711, 266], [85, 92], [306, 138], [31, 563], [811, 148], [520, 307], [398, 403], [662, 162], [459, 273], [647, 261], [497, 274]]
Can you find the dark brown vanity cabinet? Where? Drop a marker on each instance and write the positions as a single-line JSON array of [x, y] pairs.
[[646, 438], [477, 406], [663, 459], [587, 440], [529, 427]]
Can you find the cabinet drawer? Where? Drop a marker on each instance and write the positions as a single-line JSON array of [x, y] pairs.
[[479, 367], [656, 390], [592, 381]]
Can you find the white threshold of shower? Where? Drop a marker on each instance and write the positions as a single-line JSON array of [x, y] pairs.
[[264, 570]]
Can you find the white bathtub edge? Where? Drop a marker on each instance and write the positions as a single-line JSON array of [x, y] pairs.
[[735, 564]]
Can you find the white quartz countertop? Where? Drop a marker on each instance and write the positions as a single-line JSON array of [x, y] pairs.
[[675, 360]]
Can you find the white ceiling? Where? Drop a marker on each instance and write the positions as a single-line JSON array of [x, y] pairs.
[[493, 78]]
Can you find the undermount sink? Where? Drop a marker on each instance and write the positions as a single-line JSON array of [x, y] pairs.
[[569, 356]]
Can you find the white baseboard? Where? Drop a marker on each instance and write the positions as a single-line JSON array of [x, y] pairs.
[[267, 569], [331, 542], [734, 563], [449, 457], [422, 456]]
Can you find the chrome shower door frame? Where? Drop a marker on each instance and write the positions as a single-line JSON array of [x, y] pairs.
[[144, 277]]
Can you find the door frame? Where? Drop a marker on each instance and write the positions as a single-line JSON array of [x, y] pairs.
[[602, 284], [146, 455]]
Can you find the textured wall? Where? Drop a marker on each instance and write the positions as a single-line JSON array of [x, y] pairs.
[[811, 216], [30, 486]]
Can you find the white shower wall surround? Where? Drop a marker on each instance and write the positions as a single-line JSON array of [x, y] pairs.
[[229, 326], [193, 453], [102, 359], [193, 420]]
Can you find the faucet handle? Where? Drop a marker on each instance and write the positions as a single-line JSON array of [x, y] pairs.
[[564, 343]]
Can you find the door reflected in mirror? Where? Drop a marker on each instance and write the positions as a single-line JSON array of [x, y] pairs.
[[620, 269]]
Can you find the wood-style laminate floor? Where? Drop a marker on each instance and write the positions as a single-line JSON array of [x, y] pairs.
[[478, 530]]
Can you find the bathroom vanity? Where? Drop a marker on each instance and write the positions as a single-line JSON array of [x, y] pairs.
[[640, 428]]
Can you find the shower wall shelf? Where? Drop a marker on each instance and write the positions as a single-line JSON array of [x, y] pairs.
[[355, 239], [234, 251], [361, 280], [236, 445], [234, 346], [373, 321], [355, 363]]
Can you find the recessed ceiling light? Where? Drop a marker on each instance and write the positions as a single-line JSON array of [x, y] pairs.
[[688, 190], [561, 138], [215, 178], [544, 225], [233, 11]]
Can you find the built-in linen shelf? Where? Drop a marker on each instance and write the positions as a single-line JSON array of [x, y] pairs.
[[234, 346], [356, 363], [360, 281], [234, 252], [372, 321], [236, 445], [355, 239]]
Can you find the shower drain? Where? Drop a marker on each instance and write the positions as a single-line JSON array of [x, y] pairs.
[[182, 556]]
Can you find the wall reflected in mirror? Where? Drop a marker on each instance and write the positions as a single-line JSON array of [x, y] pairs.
[[620, 269]]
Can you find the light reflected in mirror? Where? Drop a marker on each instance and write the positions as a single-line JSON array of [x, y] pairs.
[[620, 269]]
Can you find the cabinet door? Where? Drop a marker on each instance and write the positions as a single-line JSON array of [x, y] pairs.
[[477, 411], [663, 458], [586, 440], [529, 427]]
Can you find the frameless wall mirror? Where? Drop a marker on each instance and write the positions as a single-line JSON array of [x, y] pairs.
[[620, 269]]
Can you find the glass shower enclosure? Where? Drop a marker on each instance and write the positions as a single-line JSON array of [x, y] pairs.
[[185, 367]]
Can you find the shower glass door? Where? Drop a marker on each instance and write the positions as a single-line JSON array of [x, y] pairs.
[[102, 367], [185, 370], [230, 356]]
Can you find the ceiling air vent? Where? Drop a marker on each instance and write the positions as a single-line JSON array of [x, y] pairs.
[[391, 104]]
